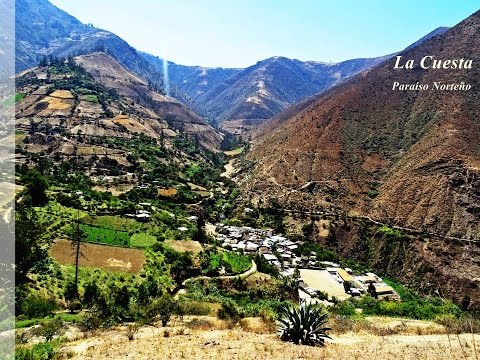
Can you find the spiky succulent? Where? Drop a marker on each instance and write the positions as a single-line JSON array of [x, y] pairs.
[[304, 325]]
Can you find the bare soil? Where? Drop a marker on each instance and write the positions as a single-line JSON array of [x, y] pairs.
[[99, 256], [185, 245]]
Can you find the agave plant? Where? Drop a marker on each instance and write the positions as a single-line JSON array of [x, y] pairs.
[[304, 325]]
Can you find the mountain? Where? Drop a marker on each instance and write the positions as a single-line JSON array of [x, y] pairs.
[[94, 110], [195, 81], [112, 75], [403, 158], [366, 135], [42, 29], [241, 99]]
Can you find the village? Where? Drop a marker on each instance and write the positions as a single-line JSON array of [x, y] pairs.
[[316, 276]]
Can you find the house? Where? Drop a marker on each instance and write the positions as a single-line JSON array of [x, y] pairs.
[[142, 216], [263, 249], [368, 279], [251, 246], [270, 257], [355, 292], [344, 276]]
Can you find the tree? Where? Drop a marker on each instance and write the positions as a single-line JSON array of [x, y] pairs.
[[347, 286], [165, 307], [29, 242], [372, 291], [200, 234], [36, 186], [71, 296], [78, 235], [91, 293]]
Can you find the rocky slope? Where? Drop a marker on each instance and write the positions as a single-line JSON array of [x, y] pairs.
[[112, 75], [405, 157], [92, 108]]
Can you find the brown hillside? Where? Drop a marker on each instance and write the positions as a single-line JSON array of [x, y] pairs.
[[419, 149], [111, 74]]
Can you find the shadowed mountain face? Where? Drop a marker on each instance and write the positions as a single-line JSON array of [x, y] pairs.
[[44, 30], [406, 157]]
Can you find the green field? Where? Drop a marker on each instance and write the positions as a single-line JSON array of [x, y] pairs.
[[105, 236], [237, 263], [113, 223], [142, 240]]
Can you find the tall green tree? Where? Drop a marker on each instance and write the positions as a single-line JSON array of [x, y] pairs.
[[78, 236], [30, 244], [36, 186]]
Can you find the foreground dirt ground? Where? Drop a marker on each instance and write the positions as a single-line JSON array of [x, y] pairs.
[[210, 341]]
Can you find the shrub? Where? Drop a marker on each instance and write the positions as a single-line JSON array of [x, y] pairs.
[[132, 329], [304, 325], [229, 311], [193, 308], [200, 324], [49, 328], [90, 321], [37, 306], [164, 307], [41, 351]]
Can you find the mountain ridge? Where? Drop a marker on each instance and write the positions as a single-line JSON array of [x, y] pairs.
[[345, 133]]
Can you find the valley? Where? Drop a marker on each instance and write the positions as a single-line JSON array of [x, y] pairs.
[[198, 222]]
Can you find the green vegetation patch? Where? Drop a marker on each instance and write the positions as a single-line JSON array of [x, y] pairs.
[[388, 231], [112, 222], [105, 236], [91, 98], [236, 263], [142, 240]]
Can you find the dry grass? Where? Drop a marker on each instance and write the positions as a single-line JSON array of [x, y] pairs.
[[133, 125], [167, 192], [185, 245], [235, 152], [196, 187], [62, 94], [203, 338], [383, 326], [99, 256]]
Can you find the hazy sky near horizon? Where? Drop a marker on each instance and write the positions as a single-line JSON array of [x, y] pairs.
[[238, 33]]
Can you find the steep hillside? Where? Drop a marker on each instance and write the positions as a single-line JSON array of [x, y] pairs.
[[93, 111], [195, 81], [405, 157], [41, 29], [112, 75]]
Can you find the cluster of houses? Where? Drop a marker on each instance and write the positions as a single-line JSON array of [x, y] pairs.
[[375, 286], [276, 249], [143, 212], [280, 252]]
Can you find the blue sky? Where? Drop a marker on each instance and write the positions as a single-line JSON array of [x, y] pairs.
[[238, 33]]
